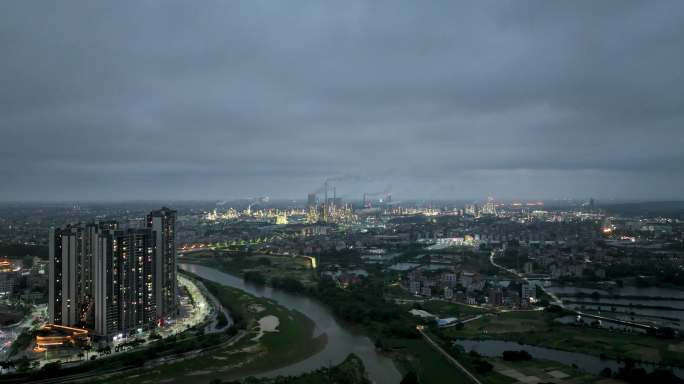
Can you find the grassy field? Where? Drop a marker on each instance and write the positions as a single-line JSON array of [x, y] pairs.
[[418, 356], [397, 292], [431, 367], [269, 266], [292, 342], [538, 328], [350, 371], [507, 322], [448, 309], [542, 369]]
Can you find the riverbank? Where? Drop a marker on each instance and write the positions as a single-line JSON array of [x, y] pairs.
[[266, 267], [350, 371], [292, 341], [343, 338], [390, 326]]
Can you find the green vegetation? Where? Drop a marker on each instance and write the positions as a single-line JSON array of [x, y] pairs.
[[21, 250], [288, 284], [391, 326], [393, 330], [448, 309], [294, 328], [598, 296], [190, 340], [495, 325], [538, 328], [350, 371], [510, 368], [473, 362], [365, 305], [395, 291], [620, 305], [250, 352], [255, 277], [245, 353], [229, 302], [660, 273], [22, 342], [221, 320], [514, 256], [416, 355], [256, 268], [635, 375], [539, 368]]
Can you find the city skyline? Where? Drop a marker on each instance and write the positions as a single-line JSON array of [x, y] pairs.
[[342, 192], [133, 100]]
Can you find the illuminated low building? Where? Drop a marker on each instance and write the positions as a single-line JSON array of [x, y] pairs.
[[53, 336], [6, 265]]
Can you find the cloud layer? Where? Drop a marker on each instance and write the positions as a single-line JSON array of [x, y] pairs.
[[175, 99]]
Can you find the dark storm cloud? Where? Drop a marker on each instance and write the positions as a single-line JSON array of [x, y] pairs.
[[121, 100]]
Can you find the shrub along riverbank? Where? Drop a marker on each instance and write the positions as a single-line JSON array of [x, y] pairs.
[[253, 353], [350, 371], [391, 327]]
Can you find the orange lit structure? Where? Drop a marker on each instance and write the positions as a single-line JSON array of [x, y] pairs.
[[53, 335], [5, 265]]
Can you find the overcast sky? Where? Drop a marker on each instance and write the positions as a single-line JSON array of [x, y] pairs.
[[199, 99]]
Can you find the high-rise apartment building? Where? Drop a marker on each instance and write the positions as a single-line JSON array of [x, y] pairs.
[[163, 223], [124, 281], [113, 280], [63, 274]]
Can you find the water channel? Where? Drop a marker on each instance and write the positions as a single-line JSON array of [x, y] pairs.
[[342, 339], [628, 303], [584, 362]]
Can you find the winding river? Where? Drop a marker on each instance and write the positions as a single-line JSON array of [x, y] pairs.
[[342, 339]]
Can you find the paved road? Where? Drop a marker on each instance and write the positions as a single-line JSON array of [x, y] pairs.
[[195, 315], [99, 376], [559, 302], [555, 298], [201, 310], [11, 333], [215, 304]]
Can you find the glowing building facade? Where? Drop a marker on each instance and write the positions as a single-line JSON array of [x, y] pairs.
[[163, 223], [124, 281], [111, 280]]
